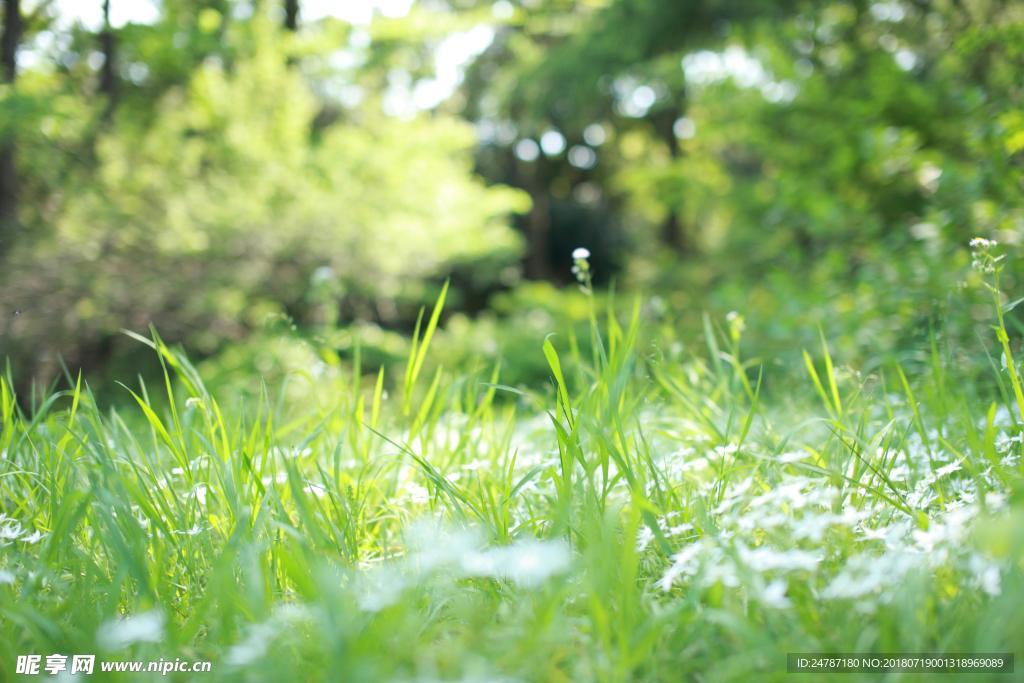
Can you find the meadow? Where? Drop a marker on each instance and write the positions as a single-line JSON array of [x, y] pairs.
[[650, 514], [510, 340]]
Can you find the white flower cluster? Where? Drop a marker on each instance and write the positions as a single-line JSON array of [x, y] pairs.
[[435, 552], [843, 544], [982, 258], [581, 265], [12, 530]]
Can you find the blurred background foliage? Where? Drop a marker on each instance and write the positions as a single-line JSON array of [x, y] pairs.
[[282, 184]]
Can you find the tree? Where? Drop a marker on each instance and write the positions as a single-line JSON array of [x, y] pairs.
[[9, 43], [233, 188], [569, 66], [108, 72], [291, 14]]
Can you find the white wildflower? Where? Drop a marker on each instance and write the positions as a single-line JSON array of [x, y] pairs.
[[380, 588], [528, 562], [813, 527], [874, 534], [995, 500], [900, 472], [253, 647], [684, 563], [147, 627], [643, 538], [418, 495], [921, 498], [947, 469], [791, 456], [774, 595], [1004, 442], [982, 258], [581, 267], [33, 538], [986, 574], [260, 636], [10, 530], [770, 521], [866, 574], [726, 451], [768, 559], [719, 569], [279, 478], [315, 490]]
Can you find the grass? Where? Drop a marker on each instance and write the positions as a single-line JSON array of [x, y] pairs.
[[649, 515]]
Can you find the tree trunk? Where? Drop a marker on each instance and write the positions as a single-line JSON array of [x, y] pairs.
[[291, 14], [535, 178], [673, 235], [108, 73], [538, 230], [8, 171]]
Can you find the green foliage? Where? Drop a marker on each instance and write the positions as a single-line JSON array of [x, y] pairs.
[[810, 152], [232, 192]]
